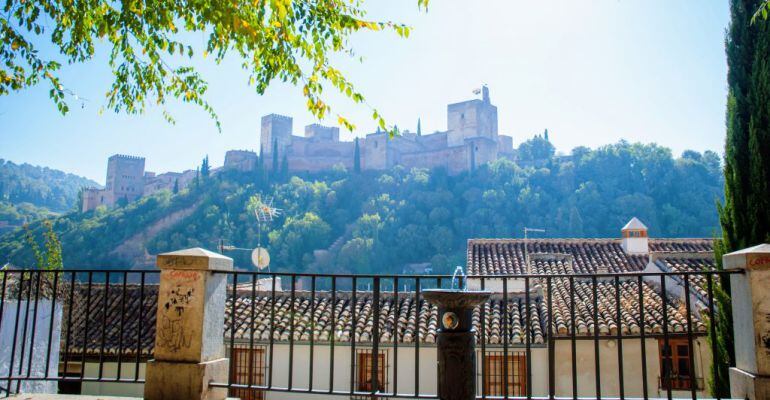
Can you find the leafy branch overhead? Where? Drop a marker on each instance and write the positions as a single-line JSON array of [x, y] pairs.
[[150, 46]]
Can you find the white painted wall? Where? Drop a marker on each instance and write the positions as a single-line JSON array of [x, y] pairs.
[[632, 369], [37, 353]]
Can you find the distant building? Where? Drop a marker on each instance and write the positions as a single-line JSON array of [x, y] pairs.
[[471, 139], [128, 181], [241, 160]]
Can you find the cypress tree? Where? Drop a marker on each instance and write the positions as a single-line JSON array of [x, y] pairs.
[[419, 128], [284, 167], [176, 186], [357, 158], [275, 156], [205, 170], [745, 214]]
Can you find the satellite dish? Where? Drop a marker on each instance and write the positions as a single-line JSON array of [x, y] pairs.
[[260, 257]]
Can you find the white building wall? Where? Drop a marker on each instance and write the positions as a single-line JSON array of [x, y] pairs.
[[632, 369]]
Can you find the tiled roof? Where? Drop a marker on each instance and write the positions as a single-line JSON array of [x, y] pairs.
[[698, 283], [630, 320], [396, 321], [130, 312], [506, 256], [681, 245], [397, 317]]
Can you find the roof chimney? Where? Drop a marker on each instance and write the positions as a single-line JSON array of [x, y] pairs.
[[634, 237]]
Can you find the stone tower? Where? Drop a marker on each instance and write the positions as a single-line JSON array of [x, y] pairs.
[[125, 177], [472, 119], [275, 128]]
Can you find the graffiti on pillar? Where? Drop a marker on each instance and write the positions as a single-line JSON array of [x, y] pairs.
[[173, 333]]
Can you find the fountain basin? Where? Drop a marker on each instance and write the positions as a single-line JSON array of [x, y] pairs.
[[456, 298]]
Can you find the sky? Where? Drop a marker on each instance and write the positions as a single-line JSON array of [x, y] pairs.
[[592, 73]]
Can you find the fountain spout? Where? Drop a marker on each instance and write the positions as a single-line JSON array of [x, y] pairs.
[[463, 284]]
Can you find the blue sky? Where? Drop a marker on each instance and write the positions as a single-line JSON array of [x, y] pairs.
[[591, 72]]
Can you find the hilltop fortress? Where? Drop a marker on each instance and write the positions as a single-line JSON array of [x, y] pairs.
[[471, 139]]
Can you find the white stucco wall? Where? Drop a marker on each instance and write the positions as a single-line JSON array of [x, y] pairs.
[[632, 369], [35, 354]]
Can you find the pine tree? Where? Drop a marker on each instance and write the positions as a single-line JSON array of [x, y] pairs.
[[275, 156], [419, 128], [745, 214], [357, 158]]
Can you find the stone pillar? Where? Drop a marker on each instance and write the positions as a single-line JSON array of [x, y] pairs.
[[189, 344], [750, 378]]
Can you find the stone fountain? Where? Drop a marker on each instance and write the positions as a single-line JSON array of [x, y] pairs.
[[456, 339]]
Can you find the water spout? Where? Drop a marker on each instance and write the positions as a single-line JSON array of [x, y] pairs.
[[462, 285]]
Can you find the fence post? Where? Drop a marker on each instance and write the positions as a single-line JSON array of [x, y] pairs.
[[750, 378], [189, 347]]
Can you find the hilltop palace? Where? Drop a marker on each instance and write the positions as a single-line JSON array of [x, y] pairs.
[[471, 139]]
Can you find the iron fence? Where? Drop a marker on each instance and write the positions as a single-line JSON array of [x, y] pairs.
[[368, 336]]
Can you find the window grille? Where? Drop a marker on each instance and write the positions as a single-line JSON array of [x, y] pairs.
[[249, 367], [494, 380]]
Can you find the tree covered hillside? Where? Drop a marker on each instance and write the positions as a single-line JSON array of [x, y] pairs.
[[40, 186], [380, 221]]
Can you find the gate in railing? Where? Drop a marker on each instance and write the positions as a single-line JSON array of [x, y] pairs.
[[288, 335]]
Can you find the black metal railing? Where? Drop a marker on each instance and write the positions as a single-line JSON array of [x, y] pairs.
[[61, 329], [539, 336]]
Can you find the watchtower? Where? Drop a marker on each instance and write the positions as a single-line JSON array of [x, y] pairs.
[[125, 177], [276, 129]]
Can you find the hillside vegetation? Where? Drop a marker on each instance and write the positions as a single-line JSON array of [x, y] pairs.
[[41, 187], [380, 221]]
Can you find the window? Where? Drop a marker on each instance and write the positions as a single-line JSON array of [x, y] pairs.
[[677, 359], [494, 378], [364, 368], [249, 367]]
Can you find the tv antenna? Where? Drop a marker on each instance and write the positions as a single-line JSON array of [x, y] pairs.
[[265, 213]]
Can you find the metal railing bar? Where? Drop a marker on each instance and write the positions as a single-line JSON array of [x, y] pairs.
[[506, 327], [312, 331], [353, 335], [332, 326], [597, 357], [394, 334], [528, 335], [712, 324], [572, 331], [50, 326], [24, 329], [642, 337], [105, 304], [484, 371], [272, 330], [69, 324], [479, 276], [666, 345], [417, 288], [551, 342], [619, 339], [85, 327], [233, 320], [691, 353], [252, 324], [34, 324], [376, 335], [122, 322], [292, 327], [140, 323]]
